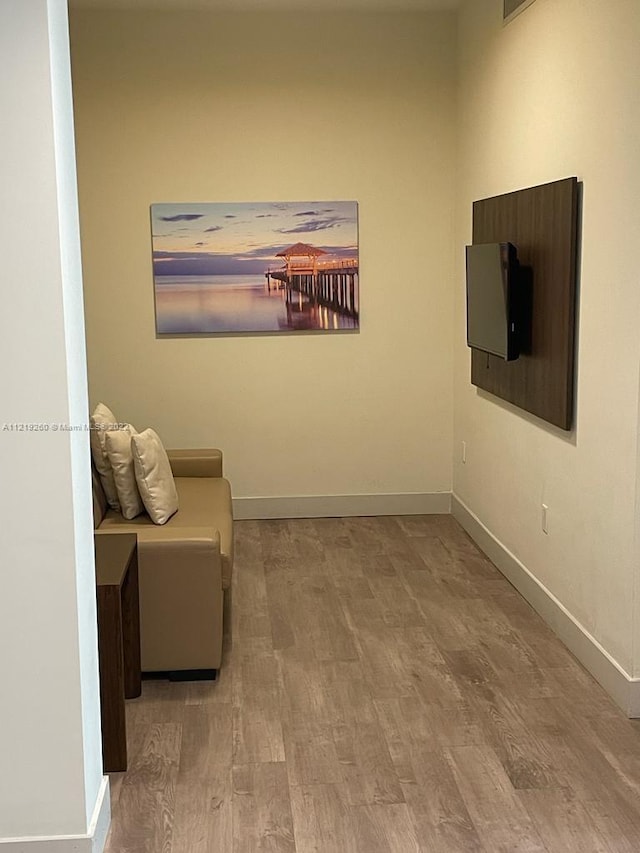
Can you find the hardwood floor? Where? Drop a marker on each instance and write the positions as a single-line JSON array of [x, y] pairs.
[[386, 691]]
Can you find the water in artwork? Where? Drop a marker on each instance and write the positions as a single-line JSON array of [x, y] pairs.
[[217, 304]]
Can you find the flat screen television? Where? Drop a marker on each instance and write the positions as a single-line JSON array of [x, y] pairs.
[[494, 299]]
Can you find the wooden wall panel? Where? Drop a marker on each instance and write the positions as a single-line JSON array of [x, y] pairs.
[[542, 223]]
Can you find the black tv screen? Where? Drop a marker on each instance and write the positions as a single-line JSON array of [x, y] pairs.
[[492, 299]]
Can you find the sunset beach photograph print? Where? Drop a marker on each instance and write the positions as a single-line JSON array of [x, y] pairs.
[[262, 267]]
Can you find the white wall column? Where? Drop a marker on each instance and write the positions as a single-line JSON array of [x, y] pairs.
[[53, 795]]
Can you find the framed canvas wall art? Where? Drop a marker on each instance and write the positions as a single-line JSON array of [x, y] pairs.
[[262, 267]]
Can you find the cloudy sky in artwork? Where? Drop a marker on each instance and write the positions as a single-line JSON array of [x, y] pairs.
[[245, 238]]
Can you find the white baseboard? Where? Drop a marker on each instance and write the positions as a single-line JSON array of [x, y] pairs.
[[93, 842], [623, 689], [342, 506]]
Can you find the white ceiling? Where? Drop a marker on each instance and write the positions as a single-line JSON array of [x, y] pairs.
[[267, 5]]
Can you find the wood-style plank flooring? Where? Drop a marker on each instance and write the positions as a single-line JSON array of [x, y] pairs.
[[386, 691]]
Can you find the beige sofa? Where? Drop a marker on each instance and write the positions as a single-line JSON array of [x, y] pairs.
[[184, 566]]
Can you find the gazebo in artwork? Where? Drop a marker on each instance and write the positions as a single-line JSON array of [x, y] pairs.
[[301, 259], [331, 282]]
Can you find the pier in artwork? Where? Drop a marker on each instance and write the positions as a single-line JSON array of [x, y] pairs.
[[328, 281]]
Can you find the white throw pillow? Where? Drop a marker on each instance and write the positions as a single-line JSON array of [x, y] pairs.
[[118, 443], [102, 420], [154, 476]]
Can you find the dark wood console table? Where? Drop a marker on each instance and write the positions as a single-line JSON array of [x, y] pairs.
[[118, 639]]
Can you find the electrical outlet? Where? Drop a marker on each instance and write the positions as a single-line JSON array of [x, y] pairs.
[[464, 452], [545, 519]]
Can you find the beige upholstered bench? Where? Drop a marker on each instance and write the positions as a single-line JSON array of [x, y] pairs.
[[185, 568]]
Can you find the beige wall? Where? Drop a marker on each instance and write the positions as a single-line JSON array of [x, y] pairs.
[[551, 95], [256, 107]]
